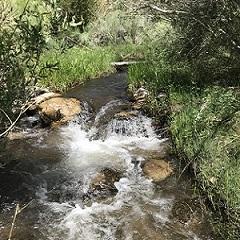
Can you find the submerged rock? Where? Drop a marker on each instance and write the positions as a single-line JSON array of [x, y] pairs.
[[104, 180], [16, 135], [157, 170], [190, 212], [125, 115], [59, 109], [144, 226]]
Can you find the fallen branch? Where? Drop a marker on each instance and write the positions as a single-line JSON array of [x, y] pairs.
[[5, 114], [166, 11], [18, 210], [13, 222]]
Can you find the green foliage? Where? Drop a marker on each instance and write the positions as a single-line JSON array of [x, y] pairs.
[[6, 15], [202, 119], [156, 73], [117, 27], [21, 44], [77, 65], [79, 11], [208, 37], [65, 14], [160, 76]]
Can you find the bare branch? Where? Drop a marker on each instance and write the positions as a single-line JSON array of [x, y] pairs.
[[166, 11], [18, 210], [9, 119], [16, 120], [13, 222]]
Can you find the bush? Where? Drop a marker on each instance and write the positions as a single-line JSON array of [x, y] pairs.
[[208, 37], [67, 14], [21, 44], [117, 27]]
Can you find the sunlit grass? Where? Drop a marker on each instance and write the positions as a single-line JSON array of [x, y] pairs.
[[77, 65]]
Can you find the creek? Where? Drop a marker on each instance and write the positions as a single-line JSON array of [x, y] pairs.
[[53, 172]]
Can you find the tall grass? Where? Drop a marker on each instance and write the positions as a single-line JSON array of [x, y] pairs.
[[206, 135], [77, 65], [204, 125]]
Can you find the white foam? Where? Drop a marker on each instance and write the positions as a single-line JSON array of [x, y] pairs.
[[135, 192], [82, 152]]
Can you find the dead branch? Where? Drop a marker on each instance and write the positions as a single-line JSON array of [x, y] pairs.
[[18, 210], [23, 110], [13, 222], [5, 114], [166, 11]]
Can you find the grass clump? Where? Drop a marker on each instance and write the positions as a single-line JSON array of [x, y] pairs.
[[76, 66]]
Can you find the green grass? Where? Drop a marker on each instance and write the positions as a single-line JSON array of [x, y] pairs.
[[205, 128], [206, 135], [77, 65]]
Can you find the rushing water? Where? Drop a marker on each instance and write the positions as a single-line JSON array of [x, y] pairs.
[[53, 171]]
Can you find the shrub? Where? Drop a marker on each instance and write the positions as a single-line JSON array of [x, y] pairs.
[[208, 36], [21, 44], [65, 14], [117, 27]]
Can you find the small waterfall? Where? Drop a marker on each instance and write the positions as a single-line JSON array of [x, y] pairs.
[[114, 141], [103, 117], [108, 108], [85, 117], [85, 155], [139, 126]]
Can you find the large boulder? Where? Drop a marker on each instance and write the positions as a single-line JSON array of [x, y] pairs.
[[157, 170], [59, 109]]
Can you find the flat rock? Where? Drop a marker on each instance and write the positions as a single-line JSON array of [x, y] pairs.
[[157, 170], [125, 115], [59, 109]]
